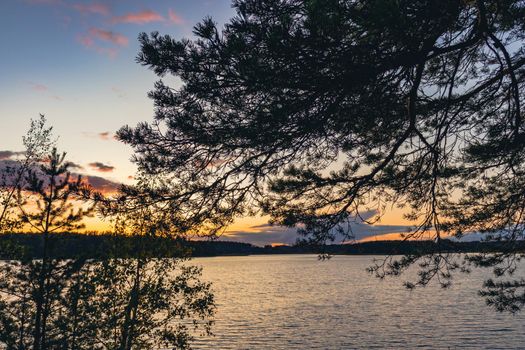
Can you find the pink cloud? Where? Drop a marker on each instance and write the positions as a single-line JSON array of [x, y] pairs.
[[39, 87], [106, 35], [89, 41], [142, 17], [102, 184], [44, 90], [94, 8], [86, 41], [98, 183], [99, 166], [106, 135], [174, 17]]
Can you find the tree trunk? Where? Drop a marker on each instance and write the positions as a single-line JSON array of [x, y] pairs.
[[131, 311], [37, 339], [39, 302]]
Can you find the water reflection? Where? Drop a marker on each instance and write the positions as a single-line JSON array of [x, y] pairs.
[[297, 302]]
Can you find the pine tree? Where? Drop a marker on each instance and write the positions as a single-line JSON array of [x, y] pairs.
[[37, 142], [314, 112], [49, 201]]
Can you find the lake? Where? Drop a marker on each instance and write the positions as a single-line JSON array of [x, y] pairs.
[[299, 302]]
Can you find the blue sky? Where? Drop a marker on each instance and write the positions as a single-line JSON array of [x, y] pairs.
[[74, 61]]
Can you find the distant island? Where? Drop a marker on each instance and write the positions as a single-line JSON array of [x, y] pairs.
[[100, 246]]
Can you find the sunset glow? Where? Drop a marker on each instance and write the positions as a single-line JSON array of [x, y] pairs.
[[74, 62]]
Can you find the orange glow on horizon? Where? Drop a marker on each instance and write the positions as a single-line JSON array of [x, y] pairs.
[[250, 224], [278, 244]]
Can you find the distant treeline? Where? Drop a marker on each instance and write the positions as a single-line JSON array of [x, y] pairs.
[[100, 246]]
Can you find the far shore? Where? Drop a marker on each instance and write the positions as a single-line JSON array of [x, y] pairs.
[[100, 246]]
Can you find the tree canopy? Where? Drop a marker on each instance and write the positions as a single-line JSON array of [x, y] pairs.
[[314, 111], [335, 106]]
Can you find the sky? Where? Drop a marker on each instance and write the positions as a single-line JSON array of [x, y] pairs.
[[74, 62]]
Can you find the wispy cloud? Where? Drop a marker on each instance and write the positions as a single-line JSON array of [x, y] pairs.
[[86, 41], [98, 183], [141, 17], [175, 17], [102, 184], [267, 234], [89, 40], [38, 87], [9, 154], [94, 8], [73, 165], [108, 36], [118, 92], [275, 234], [45, 90], [105, 135], [103, 168]]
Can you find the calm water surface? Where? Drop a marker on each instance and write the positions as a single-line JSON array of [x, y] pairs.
[[298, 302]]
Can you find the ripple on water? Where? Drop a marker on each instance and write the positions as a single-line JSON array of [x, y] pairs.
[[297, 302]]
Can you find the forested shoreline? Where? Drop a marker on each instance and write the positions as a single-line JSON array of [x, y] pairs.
[[103, 246]]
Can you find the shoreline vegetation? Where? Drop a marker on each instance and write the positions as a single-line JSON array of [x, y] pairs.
[[103, 246]]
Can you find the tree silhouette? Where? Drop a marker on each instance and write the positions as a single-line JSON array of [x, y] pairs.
[[129, 312], [127, 298], [316, 111], [45, 203], [37, 143]]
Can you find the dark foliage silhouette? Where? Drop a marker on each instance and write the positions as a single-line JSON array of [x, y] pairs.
[[37, 142], [315, 111], [44, 201], [54, 298]]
